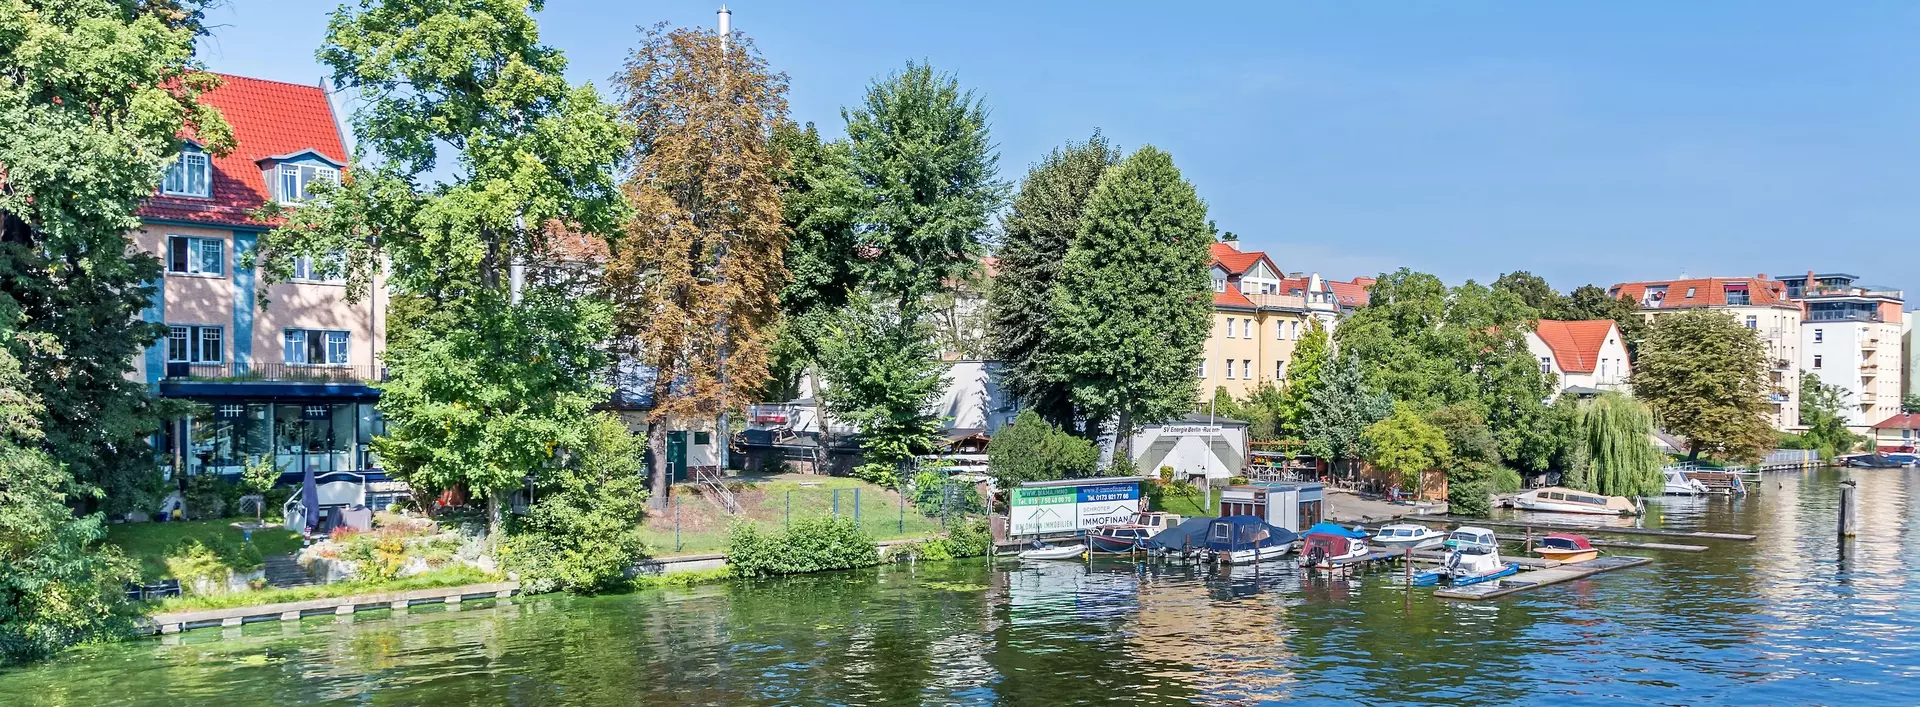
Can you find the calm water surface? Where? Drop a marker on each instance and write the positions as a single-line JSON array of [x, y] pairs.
[[1791, 618]]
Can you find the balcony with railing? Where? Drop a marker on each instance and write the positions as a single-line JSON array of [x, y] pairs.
[[1279, 301], [177, 372]]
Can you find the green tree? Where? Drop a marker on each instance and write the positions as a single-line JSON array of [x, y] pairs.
[[94, 98], [492, 374], [1262, 411], [1588, 302], [1547, 303], [1705, 378], [582, 532], [1036, 235], [1910, 403], [60, 587], [1340, 411], [883, 379], [1823, 410], [1407, 445], [1616, 429], [1303, 378], [920, 151], [820, 203], [1132, 304], [1474, 459], [1031, 449]]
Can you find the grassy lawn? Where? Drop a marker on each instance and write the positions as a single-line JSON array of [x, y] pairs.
[[151, 543], [770, 504], [1189, 506], [453, 576]]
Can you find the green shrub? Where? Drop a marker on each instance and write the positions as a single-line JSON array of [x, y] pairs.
[[878, 474], [1030, 449], [381, 554], [210, 557], [1468, 499], [968, 538], [582, 534], [1506, 480], [810, 545], [208, 496]]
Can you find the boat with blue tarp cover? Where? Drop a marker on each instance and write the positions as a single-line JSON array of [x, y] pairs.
[[1186, 540], [1328, 544], [1244, 539]]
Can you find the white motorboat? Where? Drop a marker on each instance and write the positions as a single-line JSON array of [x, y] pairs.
[[1678, 484], [1475, 558], [1554, 499], [1404, 536], [1054, 552]]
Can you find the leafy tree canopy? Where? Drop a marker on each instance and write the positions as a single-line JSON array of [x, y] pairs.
[[1303, 377], [1031, 449], [883, 378], [1407, 445], [1705, 378]]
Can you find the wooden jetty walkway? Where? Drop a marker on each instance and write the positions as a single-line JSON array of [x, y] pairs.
[[1582, 529], [1626, 544], [294, 611], [1534, 579]]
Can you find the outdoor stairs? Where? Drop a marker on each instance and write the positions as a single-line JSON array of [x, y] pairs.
[[716, 487], [283, 572]]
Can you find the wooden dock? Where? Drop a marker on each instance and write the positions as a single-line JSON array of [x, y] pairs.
[[1624, 544], [1534, 579], [341, 606], [1581, 529]]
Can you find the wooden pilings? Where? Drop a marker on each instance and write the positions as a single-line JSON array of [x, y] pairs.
[[1849, 508]]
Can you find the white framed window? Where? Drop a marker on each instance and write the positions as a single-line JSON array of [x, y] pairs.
[[1229, 327], [1246, 369], [1753, 322], [324, 269], [1219, 284], [313, 347], [1203, 369], [1819, 335], [1229, 370], [1246, 329], [191, 174], [1546, 365], [187, 255], [296, 180], [190, 343], [1296, 330], [1279, 370]]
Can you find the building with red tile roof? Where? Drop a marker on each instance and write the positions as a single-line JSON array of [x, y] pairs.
[[1581, 354], [1898, 433], [1758, 302], [288, 380], [1259, 314]]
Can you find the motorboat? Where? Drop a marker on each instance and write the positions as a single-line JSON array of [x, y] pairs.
[[1408, 536], [1556, 499], [1870, 461], [1677, 483], [1156, 522], [1185, 541], [1043, 551], [1328, 544], [1565, 547], [1245, 539], [1903, 458], [1475, 558], [1117, 538]]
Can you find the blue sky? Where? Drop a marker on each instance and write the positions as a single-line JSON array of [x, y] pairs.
[[1586, 142]]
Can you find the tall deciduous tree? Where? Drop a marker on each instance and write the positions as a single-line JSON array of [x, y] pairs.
[[1590, 302], [1030, 449], [919, 148], [697, 280], [1035, 237], [883, 379], [496, 347], [1823, 411], [1407, 445], [1303, 377], [1132, 303], [820, 203], [1705, 377], [94, 98], [1547, 303]]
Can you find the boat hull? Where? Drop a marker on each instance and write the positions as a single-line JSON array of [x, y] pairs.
[[1551, 507], [1397, 545], [1071, 552], [1566, 555], [1113, 545], [1253, 554]]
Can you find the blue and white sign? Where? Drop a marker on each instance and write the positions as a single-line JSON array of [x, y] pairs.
[[1108, 504]]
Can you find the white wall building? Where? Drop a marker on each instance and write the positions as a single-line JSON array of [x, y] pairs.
[[1581, 354], [1195, 446], [1851, 340]]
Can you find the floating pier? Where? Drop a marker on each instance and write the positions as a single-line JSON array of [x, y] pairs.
[[1582, 529], [294, 611], [1534, 579], [1626, 544]]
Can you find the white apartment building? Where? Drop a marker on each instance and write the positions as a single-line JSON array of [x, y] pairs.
[[1758, 303], [1851, 339]]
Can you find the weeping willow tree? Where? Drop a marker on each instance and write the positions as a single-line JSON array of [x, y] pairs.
[[1621, 460]]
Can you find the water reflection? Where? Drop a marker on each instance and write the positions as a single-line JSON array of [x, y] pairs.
[[1797, 616]]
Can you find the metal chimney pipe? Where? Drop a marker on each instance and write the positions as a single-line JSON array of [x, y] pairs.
[[726, 27]]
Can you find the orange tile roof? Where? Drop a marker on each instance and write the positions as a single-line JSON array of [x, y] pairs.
[[1576, 344], [1350, 294], [1902, 421], [1237, 262], [1707, 292], [269, 118], [1231, 298]]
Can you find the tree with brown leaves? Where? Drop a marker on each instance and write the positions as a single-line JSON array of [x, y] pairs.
[[698, 278]]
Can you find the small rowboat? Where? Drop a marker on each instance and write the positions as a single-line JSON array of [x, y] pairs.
[[1054, 552], [1564, 547]]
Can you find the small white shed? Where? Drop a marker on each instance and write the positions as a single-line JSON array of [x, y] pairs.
[[1194, 445]]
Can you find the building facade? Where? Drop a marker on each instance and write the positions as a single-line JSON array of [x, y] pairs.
[[1759, 303], [1260, 315], [1910, 348], [286, 378], [1581, 355], [1851, 339], [1897, 433]]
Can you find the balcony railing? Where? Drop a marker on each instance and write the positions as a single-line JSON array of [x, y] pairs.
[[1823, 316], [273, 373], [1280, 301]]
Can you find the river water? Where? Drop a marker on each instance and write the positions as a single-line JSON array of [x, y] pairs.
[[1791, 618]]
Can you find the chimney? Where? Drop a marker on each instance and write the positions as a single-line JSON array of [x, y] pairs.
[[726, 27], [1761, 276], [1232, 241]]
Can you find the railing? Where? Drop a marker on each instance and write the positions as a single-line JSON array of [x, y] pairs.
[[1278, 301], [1823, 316], [274, 372], [711, 480]]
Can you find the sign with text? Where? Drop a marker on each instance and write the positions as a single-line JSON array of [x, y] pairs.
[[1067, 509], [1191, 430]]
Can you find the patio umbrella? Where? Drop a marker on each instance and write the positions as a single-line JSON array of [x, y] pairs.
[[309, 500]]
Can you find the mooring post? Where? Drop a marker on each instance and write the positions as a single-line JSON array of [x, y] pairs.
[[676, 522], [856, 506], [1849, 508], [789, 521], [1408, 561], [1529, 546]]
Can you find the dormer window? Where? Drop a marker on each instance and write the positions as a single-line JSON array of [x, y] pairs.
[[297, 180], [190, 174]]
